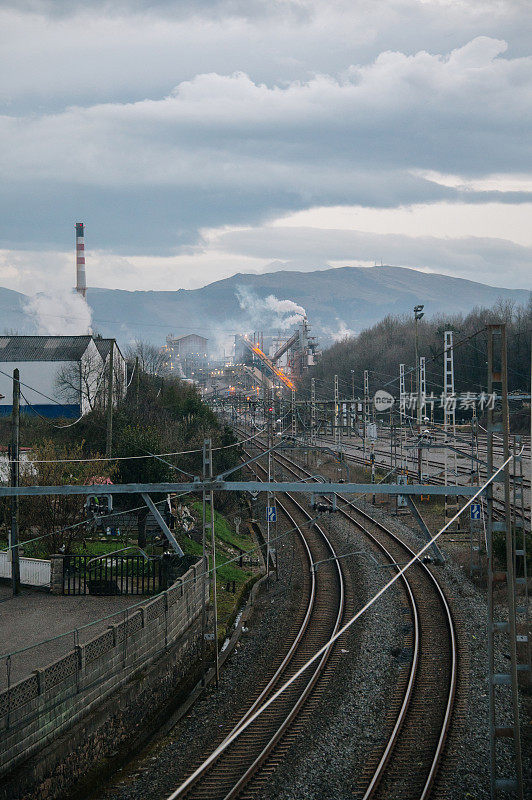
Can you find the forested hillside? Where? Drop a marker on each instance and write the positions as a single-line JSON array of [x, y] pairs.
[[382, 347]]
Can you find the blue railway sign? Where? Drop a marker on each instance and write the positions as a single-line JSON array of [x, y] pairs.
[[475, 510], [271, 513]]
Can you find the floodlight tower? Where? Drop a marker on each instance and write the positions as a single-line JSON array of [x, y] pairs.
[[418, 314]]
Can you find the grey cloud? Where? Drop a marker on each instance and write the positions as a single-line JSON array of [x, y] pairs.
[[489, 260], [464, 112], [225, 150], [166, 8], [113, 51]]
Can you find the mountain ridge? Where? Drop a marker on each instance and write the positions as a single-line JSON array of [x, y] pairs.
[[337, 300]]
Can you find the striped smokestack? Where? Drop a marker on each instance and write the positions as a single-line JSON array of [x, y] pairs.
[[81, 283]]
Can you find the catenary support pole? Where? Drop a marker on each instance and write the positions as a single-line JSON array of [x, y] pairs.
[[137, 382], [502, 686], [336, 412], [312, 411], [205, 563], [15, 476], [209, 469], [365, 412], [109, 438], [268, 496]]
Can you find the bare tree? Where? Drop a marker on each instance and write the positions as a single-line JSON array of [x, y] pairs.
[[151, 358], [79, 382]]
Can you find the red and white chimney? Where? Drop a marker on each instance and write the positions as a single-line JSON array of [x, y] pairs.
[[81, 282]]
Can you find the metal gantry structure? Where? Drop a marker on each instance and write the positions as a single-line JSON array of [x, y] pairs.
[[449, 410], [507, 625]]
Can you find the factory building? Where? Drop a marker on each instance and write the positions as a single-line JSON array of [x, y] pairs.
[[60, 376], [186, 355]]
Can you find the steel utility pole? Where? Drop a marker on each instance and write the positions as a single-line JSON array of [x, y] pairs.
[[503, 688], [269, 496], [418, 314], [365, 411], [293, 410], [402, 410], [449, 411], [312, 411], [109, 439], [336, 418], [205, 562], [423, 386], [422, 398], [208, 472], [352, 411], [137, 382], [15, 475]]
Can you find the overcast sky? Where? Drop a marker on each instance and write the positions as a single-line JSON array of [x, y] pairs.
[[202, 138]]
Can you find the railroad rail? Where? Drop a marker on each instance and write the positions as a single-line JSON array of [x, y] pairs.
[[245, 765], [463, 454], [421, 718], [435, 480]]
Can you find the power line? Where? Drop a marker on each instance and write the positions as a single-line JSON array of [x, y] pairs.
[[398, 575]]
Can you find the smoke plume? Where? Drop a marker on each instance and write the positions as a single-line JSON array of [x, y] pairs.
[[59, 314], [343, 332], [269, 310]]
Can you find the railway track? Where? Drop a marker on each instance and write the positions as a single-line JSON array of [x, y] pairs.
[[498, 505], [243, 769], [434, 463], [420, 718]]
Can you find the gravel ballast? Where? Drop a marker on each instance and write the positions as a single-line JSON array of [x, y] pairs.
[[350, 720]]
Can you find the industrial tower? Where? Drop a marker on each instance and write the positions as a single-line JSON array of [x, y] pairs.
[[81, 282]]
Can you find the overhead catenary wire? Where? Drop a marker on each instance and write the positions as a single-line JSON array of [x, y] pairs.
[[132, 458], [38, 391], [87, 521], [309, 523], [241, 728], [46, 419], [229, 561]]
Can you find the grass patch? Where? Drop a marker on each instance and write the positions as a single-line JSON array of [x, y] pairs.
[[227, 542], [223, 530], [95, 547]]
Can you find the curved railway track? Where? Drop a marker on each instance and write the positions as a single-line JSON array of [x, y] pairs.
[[244, 767], [419, 721]]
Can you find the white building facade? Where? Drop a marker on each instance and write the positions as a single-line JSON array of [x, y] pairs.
[[60, 376]]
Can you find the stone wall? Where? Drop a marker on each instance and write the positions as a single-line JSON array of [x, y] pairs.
[[48, 705]]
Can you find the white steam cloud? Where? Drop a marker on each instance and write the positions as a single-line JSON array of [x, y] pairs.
[[275, 313], [343, 332], [60, 314]]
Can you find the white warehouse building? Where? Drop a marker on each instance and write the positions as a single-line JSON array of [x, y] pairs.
[[60, 376]]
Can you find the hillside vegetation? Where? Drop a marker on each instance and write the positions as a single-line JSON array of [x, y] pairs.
[[383, 346]]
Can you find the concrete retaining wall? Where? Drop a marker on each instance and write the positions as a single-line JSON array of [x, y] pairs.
[[35, 712]]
